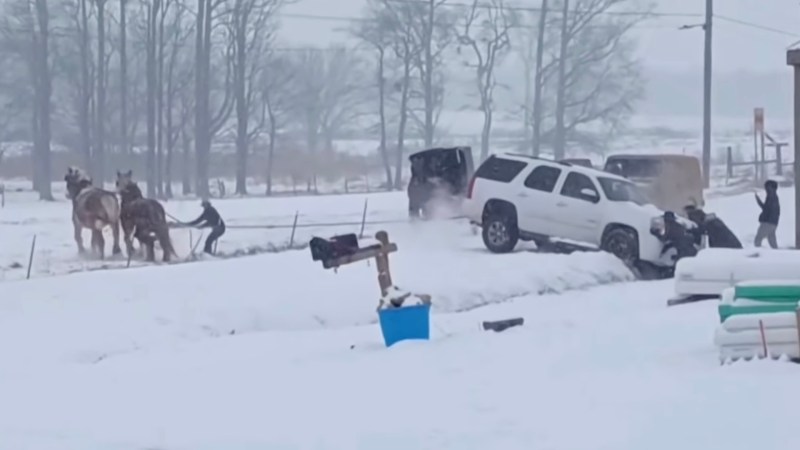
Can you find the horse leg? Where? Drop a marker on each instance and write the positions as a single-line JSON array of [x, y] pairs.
[[101, 244], [78, 237], [127, 236], [151, 251], [98, 243], [115, 230], [95, 247], [129, 246], [166, 244]]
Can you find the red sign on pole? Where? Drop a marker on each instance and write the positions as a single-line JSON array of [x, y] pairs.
[[758, 119]]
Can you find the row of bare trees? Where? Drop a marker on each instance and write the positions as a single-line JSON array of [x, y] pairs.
[[123, 76]]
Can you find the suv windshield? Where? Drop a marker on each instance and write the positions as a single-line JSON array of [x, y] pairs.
[[622, 191]]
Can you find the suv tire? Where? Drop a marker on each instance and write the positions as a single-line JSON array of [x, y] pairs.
[[623, 244], [500, 233]]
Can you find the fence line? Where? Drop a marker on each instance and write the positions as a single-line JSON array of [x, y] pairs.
[[293, 227]]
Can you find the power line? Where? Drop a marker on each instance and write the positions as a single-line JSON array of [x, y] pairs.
[[351, 19], [756, 26], [555, 12]]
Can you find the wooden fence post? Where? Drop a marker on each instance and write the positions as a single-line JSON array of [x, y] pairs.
[[363, 219], [294, 227], [30, 258], [728, 164]]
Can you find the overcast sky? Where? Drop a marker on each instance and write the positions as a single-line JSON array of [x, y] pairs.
[[736, 46]]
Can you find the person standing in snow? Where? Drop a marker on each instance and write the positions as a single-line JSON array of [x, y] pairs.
[[770, 214], [719, 235], [210, 218]]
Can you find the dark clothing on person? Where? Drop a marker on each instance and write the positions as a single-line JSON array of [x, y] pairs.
[[770, 208], [210, 218], [719, 235], [770, 215], [676, 236]]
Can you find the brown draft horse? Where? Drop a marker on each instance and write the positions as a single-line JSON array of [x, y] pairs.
[[92, 208], [142, 218]]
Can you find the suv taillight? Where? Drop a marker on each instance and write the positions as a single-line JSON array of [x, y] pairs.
[[471, 187]]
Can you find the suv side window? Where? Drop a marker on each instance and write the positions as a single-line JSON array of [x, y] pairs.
[[499, 169], [577, 182], [543, 178]]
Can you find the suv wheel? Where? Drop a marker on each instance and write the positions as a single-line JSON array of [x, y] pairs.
[[500, 234], [622, 243]]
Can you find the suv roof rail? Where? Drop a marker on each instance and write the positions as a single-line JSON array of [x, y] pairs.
[[538, 158]]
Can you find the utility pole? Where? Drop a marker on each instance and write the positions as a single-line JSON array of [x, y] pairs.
[[793, 59], [707, 94]]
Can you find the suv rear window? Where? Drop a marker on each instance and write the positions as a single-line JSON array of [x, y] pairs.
[[499, 169]]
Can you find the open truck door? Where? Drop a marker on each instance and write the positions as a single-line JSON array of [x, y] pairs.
[[439, 181]]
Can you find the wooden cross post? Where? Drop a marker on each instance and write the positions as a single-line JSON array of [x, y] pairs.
[[381, 254], [382, 262]]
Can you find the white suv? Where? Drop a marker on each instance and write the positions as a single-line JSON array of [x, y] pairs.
[[515, 197]]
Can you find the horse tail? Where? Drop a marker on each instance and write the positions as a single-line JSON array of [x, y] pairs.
[[159, 220], [111, 209]]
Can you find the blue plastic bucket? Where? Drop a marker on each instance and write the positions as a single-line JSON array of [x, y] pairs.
[[407, 322]]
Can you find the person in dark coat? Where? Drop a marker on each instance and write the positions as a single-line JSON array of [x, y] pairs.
[[419, 190], [210, 218], [770, 215], [719, 235], [676, 236]]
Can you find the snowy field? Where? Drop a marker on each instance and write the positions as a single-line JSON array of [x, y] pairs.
[[271, 351]]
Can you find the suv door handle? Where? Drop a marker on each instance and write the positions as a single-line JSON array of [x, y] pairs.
[[522, 195], [562, 204]]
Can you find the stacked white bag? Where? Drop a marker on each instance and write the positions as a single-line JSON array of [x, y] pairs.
[[739, 337]]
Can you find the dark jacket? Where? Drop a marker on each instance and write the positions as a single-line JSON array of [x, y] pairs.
[[770, 208], [210, 218], [719, 235], [678, 237]]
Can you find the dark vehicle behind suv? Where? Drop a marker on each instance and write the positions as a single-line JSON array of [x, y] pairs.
[[439, 178]]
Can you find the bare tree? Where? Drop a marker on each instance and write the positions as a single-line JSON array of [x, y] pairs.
[[400, 25], [100, 104], [153, 10], [539, 81], [373, 31], [330, 97], [599, 77], [277, 103], [428, 29], [485, 32], [560, 131], [251, 29], [208, 122], [178, 68], [86, 89], [123, 74]]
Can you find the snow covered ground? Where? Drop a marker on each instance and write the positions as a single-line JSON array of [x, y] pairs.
[[272, 351], [606, 368]]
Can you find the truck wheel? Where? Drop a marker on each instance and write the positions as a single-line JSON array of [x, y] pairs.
[[623, 244], [500, 234]]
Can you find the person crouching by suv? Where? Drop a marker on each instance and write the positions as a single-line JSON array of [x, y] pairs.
[[674, 235], [719, 235], [770, 214]]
